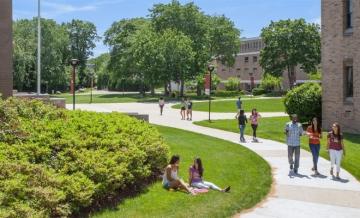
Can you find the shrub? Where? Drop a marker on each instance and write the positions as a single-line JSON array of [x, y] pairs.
[[258, 91], [270, 83], [232, 84], [305, 101], [222, 93], [55, 162]]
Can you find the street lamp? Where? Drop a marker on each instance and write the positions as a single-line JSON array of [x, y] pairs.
[[92, 75], [210, 69], [74, 63]]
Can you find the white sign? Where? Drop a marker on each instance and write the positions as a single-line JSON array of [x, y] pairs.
[[207, 91]]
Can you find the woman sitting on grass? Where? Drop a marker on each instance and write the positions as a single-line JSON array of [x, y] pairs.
[[196, 178], [171, 179]]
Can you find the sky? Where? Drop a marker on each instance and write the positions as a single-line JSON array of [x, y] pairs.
[[250, 16]]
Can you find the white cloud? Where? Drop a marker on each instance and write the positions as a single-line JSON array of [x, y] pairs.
[[54, 9]]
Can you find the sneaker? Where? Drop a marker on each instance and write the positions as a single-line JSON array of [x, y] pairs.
[[227, 189], [313, 169], [332, 172]]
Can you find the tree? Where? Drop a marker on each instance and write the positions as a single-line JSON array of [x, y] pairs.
[[83, 36], [232, 84], [102, 73], [54, 55], [270, 83], [289, 43]]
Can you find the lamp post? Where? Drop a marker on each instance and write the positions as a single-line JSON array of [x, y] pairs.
[[74, 63], [92, 75], [210, 69]]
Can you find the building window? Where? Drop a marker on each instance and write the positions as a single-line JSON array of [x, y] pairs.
[[246, 59], [255, 59], [349, 82], [348, 13]]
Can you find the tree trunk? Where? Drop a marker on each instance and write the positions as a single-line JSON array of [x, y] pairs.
[[291, 76], [166, 91], [198, 90], [152, 90], [182, 88]]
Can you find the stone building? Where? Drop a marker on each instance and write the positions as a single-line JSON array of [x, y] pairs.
[[341, 63], [247, 67], [6, 74]]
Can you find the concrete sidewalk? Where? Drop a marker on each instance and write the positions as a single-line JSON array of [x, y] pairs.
[[302, 195]]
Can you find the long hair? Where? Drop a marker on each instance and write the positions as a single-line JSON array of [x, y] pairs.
[[318, 126], [242, 112], [200, 167], [339, 131], [253, 112], [174, 159]]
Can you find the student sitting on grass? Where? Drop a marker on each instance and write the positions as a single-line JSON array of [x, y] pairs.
[[196, 178], [171, 179]]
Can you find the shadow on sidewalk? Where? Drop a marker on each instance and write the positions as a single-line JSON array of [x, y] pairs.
[[297, 175], [320, 176], [340, 180]]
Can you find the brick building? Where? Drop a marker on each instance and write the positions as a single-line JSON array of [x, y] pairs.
[[247, 67], [6, 77], [341, 63]]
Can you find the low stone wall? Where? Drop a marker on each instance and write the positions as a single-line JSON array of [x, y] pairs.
[[144, 117], [58, 102]]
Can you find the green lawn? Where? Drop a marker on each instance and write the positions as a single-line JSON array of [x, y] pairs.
[[273, 128], [225, 164], [262, 105], [120, 98]]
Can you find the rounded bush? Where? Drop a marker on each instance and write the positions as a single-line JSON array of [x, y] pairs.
[[55, 162], [258, 91], [305, 101]]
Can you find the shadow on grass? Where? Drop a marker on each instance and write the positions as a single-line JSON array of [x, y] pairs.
[[112, 202], [354, 138]]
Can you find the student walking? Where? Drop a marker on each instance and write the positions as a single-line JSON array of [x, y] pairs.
[[238, 106], [189, 104], [161, 105], [183, 108], [254, 118], [314, 133], [293, 131], [242, 120], [336, 148]]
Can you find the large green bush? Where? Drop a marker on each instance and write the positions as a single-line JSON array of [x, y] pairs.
[[305, 101], [55, 162], [270, 83]]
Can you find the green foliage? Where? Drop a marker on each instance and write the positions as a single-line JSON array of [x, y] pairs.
[[305, 101], [55, 162], [232, 84], [222, 93], [289, 43], [258, 91], [270, 82], [315, 75]]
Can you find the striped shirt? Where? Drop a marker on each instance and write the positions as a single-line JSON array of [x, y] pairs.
[[294, 131]]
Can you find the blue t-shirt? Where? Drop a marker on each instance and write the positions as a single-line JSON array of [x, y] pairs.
[[238, 104]]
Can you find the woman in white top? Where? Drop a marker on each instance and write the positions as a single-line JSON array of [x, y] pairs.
[[171, 179], [161, 104]]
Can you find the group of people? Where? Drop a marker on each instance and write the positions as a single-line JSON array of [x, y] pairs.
[[242, 121], [171, 179], [185, 107], [335, 145]]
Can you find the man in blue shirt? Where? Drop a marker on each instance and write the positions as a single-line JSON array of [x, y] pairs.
[[238, 105], [293, 131]]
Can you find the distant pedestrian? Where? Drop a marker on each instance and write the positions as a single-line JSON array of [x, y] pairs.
[[238, 106], [183, 109], [293, 131], [161, 104], [314, 133], [189, 105], [336, 148], [242, 120], [254, 118]]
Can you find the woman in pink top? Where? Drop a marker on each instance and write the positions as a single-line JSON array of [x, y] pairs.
[[254, 118], [336, 148], [196, 178]]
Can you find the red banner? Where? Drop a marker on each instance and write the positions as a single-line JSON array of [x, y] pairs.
[[207, 81]]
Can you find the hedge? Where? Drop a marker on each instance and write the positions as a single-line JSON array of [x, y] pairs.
[[56, 162], [305, 101]]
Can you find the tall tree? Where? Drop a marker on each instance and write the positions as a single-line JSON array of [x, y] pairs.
[[83, 36], [289, 43]]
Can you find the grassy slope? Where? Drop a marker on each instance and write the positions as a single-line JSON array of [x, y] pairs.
[[225, 164], [262, 105], [273, 128]]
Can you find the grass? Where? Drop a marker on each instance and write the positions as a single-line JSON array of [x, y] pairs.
[[84, 98], [225, 164], [262, 105], [273, 128]]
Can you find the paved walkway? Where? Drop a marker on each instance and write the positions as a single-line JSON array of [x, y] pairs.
[[302, 195]]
